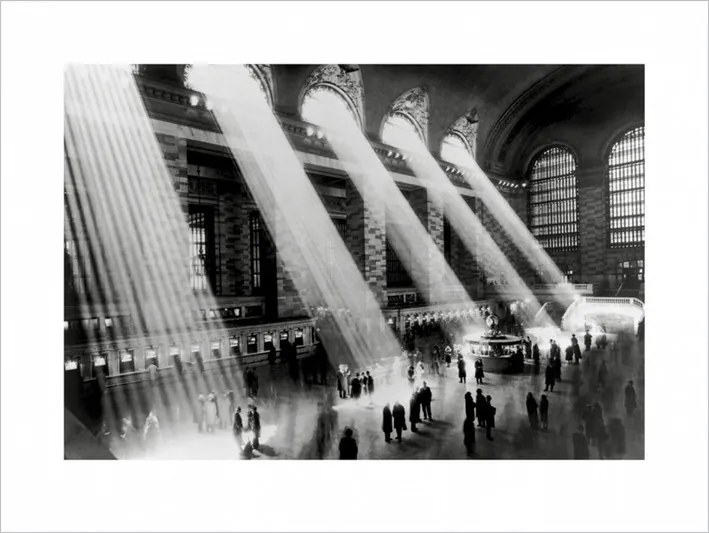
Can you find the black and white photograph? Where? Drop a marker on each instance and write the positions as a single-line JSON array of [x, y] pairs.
[[354, 261], [355, 266]]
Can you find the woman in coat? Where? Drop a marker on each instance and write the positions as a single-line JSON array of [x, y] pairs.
[[387, 426], [479, 375], [462, 375]]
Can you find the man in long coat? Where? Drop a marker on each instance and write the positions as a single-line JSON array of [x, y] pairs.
[[630, 399], [399, 416], [414, 410], [480, 405], [387, 425], [549, 379], [426, 397]]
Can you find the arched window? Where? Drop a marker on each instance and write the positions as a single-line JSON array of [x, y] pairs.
[[407, 119], [328, 85], [261, 74], [553, 214], [460, 142], [455, 149], [400, 130], [626, 190], [319, 102]]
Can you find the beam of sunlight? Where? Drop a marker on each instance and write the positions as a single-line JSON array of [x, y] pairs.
[[427, 267], [122, 204], [352, 326], [516, 229], [464, 221]]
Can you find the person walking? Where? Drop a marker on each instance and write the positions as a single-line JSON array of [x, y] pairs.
[[479, 374], [387, 423], [469, 435], [399, 415], [587, 341], [461, 369], [356, 387], [569, 354], [480, 405], [211, 413], [370, 383], [535, 353], [544, 412], [490, 411], [426, 397], [549, 379], [414, 410], [630, 399], [348, 445], [532, 412], [238, 427], [254, 421], [341, 384]]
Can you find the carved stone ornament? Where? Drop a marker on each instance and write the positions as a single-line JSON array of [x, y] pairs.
[[348, 84], [262, 74], [413, 104], [468, 131]]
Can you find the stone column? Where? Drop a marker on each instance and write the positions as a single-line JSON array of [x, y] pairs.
[[366, 239], [430, 213]]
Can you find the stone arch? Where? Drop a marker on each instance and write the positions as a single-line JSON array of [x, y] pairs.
[[344, 80], [413, 105], [465, 128]]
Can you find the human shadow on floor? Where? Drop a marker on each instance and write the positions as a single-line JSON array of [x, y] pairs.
[[268, 451]]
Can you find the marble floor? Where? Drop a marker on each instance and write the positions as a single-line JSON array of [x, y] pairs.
[[289, 421]]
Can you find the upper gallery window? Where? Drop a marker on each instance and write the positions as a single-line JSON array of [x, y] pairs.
[[553, 214], [626, 190]]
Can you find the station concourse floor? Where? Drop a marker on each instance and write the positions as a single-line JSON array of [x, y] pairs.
[[289, 421]]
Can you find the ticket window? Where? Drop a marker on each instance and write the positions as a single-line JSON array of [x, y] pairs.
[[251, 344], [216, 349], [283, 337], [298, 337], [234, 348], [151, 357], [175, 358], [267, 341], [72, 365], [197, 357], [99, 364], [126, 361]]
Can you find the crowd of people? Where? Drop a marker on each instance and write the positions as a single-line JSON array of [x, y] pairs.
[[370, 386]]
